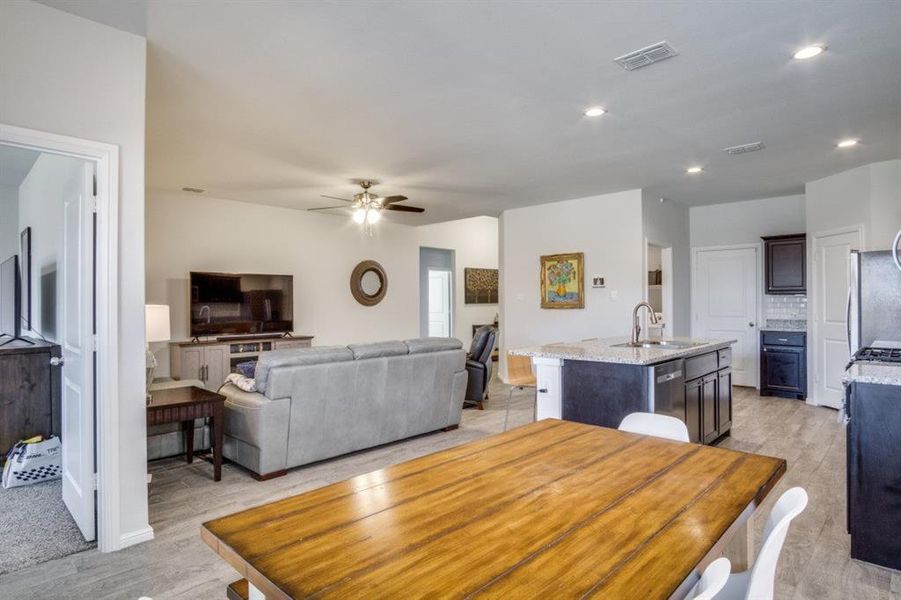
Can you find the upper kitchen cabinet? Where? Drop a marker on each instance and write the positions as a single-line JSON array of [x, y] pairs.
[[786, 263]]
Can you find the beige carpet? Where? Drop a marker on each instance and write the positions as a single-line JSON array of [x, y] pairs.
[[36, 527]]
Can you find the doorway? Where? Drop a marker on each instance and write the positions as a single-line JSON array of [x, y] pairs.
[[89, 335], [725, 297], [659, 289], [829, 282], [49, 235], [436, 292]]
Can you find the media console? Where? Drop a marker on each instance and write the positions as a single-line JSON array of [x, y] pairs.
[[212, 360]]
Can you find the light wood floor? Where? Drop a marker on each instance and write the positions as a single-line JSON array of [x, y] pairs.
[[814, 563]]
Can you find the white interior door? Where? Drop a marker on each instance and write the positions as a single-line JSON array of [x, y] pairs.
[[439, 303], [76, 340], [725, 297], [831, 270]]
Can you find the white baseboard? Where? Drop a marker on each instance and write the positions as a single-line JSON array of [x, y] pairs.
[[136, 537]]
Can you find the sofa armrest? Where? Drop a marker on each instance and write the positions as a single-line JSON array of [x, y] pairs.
[[474, 364], [260, 422]]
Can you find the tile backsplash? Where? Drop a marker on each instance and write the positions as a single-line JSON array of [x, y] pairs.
[[785, 307]]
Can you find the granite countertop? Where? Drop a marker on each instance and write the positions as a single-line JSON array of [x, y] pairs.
[[785, 325], [604, 350], [883, 374]]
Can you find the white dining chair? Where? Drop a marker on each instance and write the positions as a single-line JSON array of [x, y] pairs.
[[662, 426], [712, 580], [757, 582]]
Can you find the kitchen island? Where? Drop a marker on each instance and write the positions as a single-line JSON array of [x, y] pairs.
[[600, 381]]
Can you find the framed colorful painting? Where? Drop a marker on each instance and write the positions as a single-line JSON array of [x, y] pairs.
[[563, 281]]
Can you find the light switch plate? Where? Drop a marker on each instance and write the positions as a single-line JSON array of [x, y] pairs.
[[598, 282]]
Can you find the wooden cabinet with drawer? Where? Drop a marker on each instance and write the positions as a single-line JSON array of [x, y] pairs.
[[708, 395], [783, 364]]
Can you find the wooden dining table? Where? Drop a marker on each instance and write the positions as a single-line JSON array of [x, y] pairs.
[[554, 509]]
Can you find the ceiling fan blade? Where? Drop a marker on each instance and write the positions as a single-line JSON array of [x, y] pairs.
[[327, 207], [335, 198], [392, 199], [404, 208]]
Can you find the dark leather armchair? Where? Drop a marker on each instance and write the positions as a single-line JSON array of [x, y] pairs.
[[478, 365]]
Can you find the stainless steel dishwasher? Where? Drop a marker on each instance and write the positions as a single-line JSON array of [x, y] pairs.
[[666, 384]]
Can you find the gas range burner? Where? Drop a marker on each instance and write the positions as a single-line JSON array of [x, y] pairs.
[[886, 355]]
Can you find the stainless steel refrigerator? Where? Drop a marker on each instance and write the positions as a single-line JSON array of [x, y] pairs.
[[874, 300], [874, 411]]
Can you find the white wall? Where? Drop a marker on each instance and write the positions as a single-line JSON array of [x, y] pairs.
[[869, 196], [71, 76], [200, 233], [667, 225], [608, 230], [475, 244], [41, 208], [745, 222], [9, 224], [885, 204]]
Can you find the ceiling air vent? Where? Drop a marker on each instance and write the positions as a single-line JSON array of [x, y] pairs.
[[752, 147], [646, 56]]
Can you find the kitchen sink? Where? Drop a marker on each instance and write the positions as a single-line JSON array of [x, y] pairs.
[[673, 344]]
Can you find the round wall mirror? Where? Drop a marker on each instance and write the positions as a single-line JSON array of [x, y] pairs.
[[368, 283]]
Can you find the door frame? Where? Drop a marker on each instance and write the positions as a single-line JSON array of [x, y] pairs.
[[423, 285], [106, 307], [668, 295], [450, 296], [813, 333], [758, 248]]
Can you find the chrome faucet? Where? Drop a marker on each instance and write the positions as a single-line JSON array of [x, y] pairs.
[[209, 315], [636, 328]]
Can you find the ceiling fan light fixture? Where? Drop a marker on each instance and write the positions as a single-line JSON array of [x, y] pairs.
[[359, 216], [373, 216]]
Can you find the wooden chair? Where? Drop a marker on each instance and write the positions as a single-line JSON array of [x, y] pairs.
[[661, 426], [713, 579], [520, 376]]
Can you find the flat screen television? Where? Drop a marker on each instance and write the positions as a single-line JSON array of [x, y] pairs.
[[224, 304], [10, 298]]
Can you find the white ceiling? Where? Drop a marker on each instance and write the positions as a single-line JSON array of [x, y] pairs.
[[15, 164], [471, 108]]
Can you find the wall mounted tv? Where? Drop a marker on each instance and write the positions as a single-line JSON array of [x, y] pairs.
[[225, 304]]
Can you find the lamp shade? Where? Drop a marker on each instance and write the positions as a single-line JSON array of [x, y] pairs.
[[156, 323]]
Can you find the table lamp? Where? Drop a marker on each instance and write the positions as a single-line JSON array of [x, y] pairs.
[[156, 329]]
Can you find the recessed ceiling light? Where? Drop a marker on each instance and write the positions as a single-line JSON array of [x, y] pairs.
[[595, 111], [847, 143], [809, 52], [693, 170]]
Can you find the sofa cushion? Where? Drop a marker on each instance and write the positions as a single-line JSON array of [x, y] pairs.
[[378, 350], [297, 357], [432, 344]]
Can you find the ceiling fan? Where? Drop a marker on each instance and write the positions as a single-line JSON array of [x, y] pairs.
[[367, 207]]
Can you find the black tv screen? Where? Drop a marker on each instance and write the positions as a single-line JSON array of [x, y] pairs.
[[241, 304], [10, 298]]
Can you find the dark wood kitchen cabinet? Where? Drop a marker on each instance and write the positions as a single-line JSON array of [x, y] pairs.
[[709, 428], [785, 258], [724, 400], [708, 396], [783, 364]]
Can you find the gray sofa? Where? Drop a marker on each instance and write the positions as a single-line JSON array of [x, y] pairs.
[[317, 403]]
